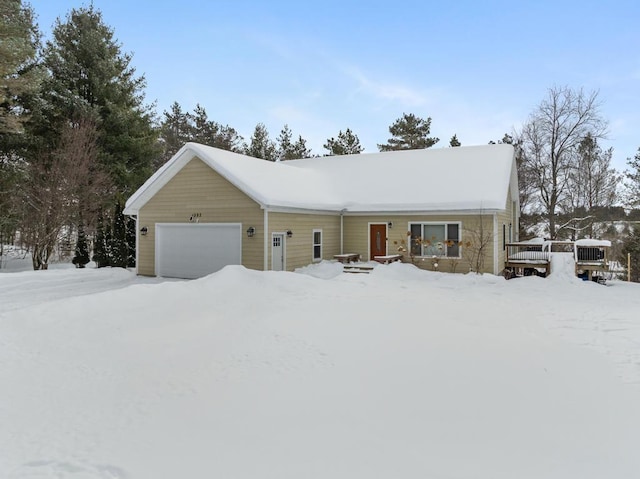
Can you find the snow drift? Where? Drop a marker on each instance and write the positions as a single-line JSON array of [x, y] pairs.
[[245, 374]]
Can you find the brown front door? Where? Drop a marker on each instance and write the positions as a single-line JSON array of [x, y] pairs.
[[377, 240]]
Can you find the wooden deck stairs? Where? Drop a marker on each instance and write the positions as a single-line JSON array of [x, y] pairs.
[[357, 268]]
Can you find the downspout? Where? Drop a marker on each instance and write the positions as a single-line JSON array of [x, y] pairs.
[[496, 243], [137, 243], [267, 243], [342, 230]]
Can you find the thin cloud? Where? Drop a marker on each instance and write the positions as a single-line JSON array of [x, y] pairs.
[[402, 94]]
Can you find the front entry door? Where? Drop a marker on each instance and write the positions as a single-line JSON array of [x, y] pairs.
[[277, 252], [377, 240]]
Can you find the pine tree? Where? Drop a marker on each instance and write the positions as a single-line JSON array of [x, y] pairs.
[[453, 142], [347, 143], [119, 248], [81, 257], [631, 249], [593, 183], [285, 145], [20, 74], [409, 133], [287, 149], [131, 242], [88, 72], [100, 247], [177, 128], [175, 131], [260, 145], [632, 176], [300, 149], [20, 78]]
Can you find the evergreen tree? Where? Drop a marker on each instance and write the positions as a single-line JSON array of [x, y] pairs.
[[347, 143], [177, 128], [285, 145], [507, 139], [227, 138], [81, 257], [20, 74], [454, 141], [131, 242], [175, 131], [631, 247], [211, 133], [593, 183], [20, 77], [88, 74], [409, 133], [89, 71], [119, 247], [300, 149], [287, 149], [633, 181], [260, 145], [100, 247]]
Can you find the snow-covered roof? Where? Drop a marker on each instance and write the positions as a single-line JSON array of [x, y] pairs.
[[471, 178]]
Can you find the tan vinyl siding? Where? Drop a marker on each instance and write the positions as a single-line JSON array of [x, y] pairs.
[[197, 189], [506, 218], [356, 238], [299, 248]]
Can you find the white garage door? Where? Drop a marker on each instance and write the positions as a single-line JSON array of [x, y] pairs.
[[194, 250]]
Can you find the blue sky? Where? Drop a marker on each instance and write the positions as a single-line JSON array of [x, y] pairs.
[[476, 68]]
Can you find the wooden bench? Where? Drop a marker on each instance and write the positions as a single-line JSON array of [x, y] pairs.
[[388, 258], [347, 257]]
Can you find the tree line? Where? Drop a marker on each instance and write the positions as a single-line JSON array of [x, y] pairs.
[[77, 138]]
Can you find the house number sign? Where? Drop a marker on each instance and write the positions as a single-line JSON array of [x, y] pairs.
[[195, 217]]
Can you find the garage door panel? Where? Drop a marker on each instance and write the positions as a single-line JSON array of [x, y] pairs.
[[195, 250]]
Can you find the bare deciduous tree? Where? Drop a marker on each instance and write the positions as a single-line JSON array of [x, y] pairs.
[[476, 245], [59, 187], [550, 140]]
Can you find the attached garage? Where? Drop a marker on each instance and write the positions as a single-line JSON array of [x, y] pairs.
[[193, 250]]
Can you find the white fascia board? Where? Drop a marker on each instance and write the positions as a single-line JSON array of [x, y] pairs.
[[305, 211], [423, 212], [160, 178]]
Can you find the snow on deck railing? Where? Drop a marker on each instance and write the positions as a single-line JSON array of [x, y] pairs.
[[591, 251], [539, 250], [528, 252]]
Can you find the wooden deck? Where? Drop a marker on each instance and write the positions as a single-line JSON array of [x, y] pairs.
[[592, 259], [529, 258], [391, 258], [347, 257]]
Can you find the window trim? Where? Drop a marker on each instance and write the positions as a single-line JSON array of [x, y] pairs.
[[314, 245], [446, 231]]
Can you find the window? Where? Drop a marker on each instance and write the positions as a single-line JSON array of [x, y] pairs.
[[317, 245], [435, 239]]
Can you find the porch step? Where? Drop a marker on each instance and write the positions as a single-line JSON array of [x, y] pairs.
[[354, 268]]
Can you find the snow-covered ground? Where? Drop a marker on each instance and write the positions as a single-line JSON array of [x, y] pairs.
[[401, 373]]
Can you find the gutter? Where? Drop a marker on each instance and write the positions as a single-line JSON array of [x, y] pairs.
[[267, 242]]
